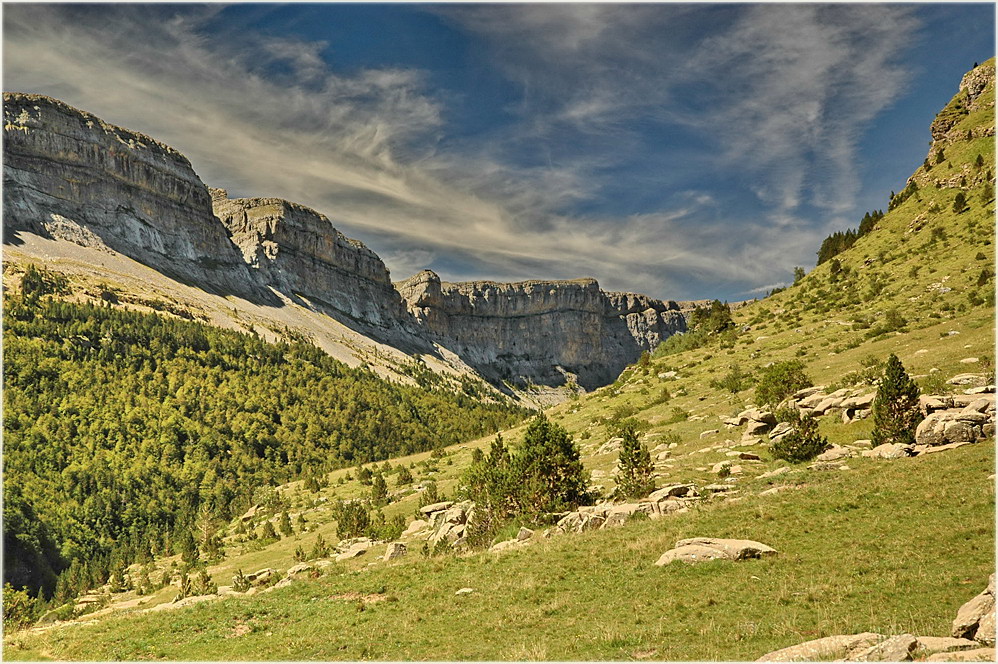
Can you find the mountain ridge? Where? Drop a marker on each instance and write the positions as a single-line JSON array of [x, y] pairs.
[[71, 177]]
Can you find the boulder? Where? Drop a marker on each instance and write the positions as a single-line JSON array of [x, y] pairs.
[[976, 655], [395, 550], [619, 514], [702, 549], [888, 451], [860, 402], [894, 649], [524, 534], [736, 421], [775, 472], [671, 491], [436, 507], [829, 648], [708, 432], [779, 431], [812, 399], [352, 552], [415, 527], [827, 404], [976, 619], [757, 428], [930, 645], [834, 453], [612, 445], [464, 591], [300, 568], [975, 379]]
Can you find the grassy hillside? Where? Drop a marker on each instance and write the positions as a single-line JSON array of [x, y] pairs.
[[884, 546]]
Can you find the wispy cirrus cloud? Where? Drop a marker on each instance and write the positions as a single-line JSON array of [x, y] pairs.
[[601, 88]]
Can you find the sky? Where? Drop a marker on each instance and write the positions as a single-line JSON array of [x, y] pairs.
[[684, 151]]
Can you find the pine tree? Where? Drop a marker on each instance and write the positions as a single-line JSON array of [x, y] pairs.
[[549, 470], [404, 476], [379, 490], [960, 202], [634, 467], [895, 409], [284, 525]]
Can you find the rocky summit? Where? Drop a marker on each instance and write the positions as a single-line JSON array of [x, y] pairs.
[[71, 177]]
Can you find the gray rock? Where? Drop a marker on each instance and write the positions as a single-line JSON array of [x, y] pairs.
[[395, 550], [703, 549], [977, 655], [826, 649], [834, 453], [894, 649], [930, 645], [977, 612], [436, 507], [888, 451]]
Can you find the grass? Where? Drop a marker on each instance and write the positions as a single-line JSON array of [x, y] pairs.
[[899, 551]]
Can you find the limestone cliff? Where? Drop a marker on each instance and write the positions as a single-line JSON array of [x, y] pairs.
[[69, 175], [296, 251], [72, 177], [540, 331]]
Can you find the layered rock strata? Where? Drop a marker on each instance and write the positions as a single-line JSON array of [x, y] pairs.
[[540, 331], [296, 251], [69, 175]]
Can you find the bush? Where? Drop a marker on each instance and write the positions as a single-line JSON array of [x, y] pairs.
[[240, 583], [352, 519], [781, 379], [895, 409], [803, 443], [734, 381]]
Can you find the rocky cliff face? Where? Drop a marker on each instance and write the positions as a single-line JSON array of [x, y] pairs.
[[545, 332], [69, 175], [296, 250]]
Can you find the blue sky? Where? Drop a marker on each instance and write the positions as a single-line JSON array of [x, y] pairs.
[[679, 150]]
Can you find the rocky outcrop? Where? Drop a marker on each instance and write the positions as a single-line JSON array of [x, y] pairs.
[[69, 175], [704, 549], [296, 250], [540, 331]]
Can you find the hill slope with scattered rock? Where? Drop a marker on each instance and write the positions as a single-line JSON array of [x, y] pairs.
[[873, 553]]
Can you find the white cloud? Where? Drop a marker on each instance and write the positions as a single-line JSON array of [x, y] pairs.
[[265, 116]]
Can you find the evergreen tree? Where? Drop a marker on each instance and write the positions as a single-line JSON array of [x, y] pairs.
[[549, 470], [379, 490], [960, 202], [188, 548], [895, 409], [319, 549], [284, 525], [634, 467], [268, 532], [404, 476]]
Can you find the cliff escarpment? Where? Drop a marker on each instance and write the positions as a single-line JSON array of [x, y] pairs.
[[71, 177], [296, 251], [542, 332]]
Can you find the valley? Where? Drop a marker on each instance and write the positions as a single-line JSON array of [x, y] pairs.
[[890, 540]]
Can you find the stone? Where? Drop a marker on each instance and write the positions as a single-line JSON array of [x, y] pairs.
[[829, 648], [708, 432], [970, 360], [436, 507], [671, 491], [703, 549], [352, 552], [974, 379], [774, 490], [300, 568], [893, 649], [749, 456], [721, 467], [888, 451], [415, 526], [930, 645], [757, 428], [395, 550], [980, 609], [976, 655], [524, 534], [779, 431], [859, 402], [464, 591], [612, 445], [834, 453], [776, 472], [812, 399]]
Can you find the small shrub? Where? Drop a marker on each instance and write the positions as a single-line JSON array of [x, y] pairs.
[[803, 443], [781, 379]]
